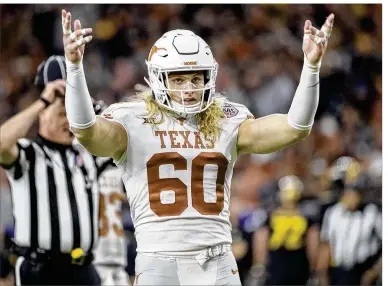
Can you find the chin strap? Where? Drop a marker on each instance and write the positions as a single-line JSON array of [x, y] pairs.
[[182, 110], [148, 82]]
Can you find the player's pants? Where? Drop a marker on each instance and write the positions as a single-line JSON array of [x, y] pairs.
[[219, 268], [112, 275]]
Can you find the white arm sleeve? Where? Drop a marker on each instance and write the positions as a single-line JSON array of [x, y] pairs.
[[305, 102], [79, 107]]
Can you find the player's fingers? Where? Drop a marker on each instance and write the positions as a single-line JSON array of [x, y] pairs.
[[66, 22], [327, 27], [321, 34], [307, 25], [307, 31], [314, 31], [317, 39], [63, 16], [79, 33], [77, 25], [82, 41]]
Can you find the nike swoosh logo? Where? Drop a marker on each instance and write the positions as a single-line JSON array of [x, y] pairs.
[[234, 271]]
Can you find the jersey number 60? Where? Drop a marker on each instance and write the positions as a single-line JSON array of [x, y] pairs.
[[158, 185]]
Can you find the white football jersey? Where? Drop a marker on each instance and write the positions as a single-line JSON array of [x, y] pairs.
[[178, 188], [112, 246]]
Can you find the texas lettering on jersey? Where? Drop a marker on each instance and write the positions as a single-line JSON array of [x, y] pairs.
[[180, 139]]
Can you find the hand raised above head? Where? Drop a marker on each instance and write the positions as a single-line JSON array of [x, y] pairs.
[[74, 42], [315, 41]]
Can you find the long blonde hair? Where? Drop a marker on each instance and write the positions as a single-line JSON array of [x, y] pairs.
[[209, 121]]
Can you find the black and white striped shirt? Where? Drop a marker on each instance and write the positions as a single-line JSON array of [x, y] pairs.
[[354, 236], [55, 196]]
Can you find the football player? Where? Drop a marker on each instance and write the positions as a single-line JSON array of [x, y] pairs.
[[176, 147], [287, 245], [111, 253]]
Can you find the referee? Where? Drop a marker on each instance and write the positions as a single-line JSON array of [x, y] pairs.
[[54, 189], [351, 236]]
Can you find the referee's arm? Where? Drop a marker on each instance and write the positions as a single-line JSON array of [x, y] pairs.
[[376, 270], [17, 126]]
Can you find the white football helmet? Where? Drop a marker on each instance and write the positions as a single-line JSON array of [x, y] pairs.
[[175, 51]]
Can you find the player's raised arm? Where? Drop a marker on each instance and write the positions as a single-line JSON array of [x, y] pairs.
[[98, 135], [274, 132]]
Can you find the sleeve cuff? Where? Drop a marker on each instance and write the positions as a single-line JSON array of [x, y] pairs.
[[82, 126], [299, 127]]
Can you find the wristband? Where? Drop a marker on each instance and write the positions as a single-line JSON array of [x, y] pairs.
[[45, 101]]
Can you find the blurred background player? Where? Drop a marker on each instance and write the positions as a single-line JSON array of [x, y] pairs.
[[334, 179], [244, 227], [351, 234], [111, 253], [285, 248]]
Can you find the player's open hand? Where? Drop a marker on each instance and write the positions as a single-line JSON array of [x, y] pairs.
[[74, 42], [315, 41]]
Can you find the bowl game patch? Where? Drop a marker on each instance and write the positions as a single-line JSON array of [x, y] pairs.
[[229, 110]]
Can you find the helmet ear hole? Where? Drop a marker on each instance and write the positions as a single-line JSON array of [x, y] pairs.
[[164, 79], [206, 95], [206, 76]]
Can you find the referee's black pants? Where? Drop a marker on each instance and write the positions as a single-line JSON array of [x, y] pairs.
[[54, 270], [353, 276]]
